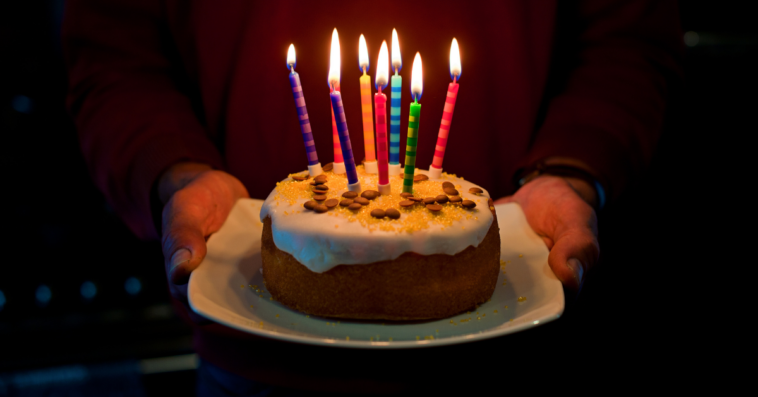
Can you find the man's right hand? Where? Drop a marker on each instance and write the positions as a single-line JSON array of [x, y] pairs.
[[197, 201]]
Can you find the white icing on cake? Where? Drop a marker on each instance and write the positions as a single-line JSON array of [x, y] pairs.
[[321, 242]]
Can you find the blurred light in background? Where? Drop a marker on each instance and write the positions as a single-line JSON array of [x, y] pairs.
[[691, 38], [22, 104], [43, 295], [133, 286], [2, 300], [88, 290]]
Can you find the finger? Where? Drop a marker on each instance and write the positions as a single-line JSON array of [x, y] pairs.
[[504, 200], [575, 251]]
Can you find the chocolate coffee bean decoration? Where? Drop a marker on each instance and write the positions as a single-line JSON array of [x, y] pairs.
[[434, 207], [450, 191], [370, 194], [392, 213]]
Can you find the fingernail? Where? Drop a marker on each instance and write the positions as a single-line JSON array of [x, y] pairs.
[[577, 269], [180, 257]]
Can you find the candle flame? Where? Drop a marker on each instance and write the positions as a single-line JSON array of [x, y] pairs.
[[455, 60], [334, 60], [417, 79], [291, 63], [397, 62], [382, 67], [362, 54]]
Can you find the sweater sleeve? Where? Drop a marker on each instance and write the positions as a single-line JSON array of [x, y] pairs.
[[132, 116], [615, 65]]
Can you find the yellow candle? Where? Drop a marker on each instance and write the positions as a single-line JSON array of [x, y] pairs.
[[366, 103]]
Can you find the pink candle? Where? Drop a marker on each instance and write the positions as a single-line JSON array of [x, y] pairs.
[[447, 114], [447, 119], [380, 103]]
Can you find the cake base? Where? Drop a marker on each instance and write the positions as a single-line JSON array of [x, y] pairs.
[[411, 287]]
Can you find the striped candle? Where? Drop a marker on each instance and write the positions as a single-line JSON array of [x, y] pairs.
[[447, 114], [397, 86], [447, 119], [335, 135], [417, 89], [314, 167], [344, 136], [380, 102], [302, 114], [410, 149], [368, 117]]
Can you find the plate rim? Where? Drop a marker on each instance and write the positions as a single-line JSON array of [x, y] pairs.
[[196, 302]]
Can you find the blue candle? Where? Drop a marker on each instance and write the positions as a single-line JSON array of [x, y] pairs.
[[344, 134], [395, 101]]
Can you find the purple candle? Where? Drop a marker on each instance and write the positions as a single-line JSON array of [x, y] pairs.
[[347, 148], [314, 167], [339, 116]]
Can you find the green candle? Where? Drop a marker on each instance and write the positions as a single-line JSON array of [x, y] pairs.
[[413, 119], [410, 148]]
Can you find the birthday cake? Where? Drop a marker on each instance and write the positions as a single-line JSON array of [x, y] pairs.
[[335, 253]]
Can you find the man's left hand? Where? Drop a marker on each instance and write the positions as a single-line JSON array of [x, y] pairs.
[[558, 209]]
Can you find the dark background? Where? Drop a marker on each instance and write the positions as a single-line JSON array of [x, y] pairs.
[[60, 238]]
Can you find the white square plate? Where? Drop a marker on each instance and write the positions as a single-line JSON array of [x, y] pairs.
[[228, 288]]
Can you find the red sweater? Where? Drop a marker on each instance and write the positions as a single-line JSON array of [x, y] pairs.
[[157, 82]]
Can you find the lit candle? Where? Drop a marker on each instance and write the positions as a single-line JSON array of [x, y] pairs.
[[339, 114], [417, 88], [368, 114], [314, 167], [380, 103], [397, 86], [435, 171]]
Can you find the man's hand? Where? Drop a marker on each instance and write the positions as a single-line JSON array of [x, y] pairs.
[[558, 210], [197, 201]]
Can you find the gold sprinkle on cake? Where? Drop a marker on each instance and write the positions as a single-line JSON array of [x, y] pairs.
[[413, 218]]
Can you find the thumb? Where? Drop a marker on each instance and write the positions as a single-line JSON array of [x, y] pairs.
[[183, 243], [575, 251]]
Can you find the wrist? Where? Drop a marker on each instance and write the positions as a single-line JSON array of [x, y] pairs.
[[584, 189], [574, 172]]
